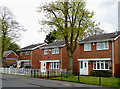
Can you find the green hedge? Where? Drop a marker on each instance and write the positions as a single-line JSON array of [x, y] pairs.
[[101, 73]]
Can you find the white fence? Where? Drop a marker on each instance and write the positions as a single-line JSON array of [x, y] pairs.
[[32, 72]]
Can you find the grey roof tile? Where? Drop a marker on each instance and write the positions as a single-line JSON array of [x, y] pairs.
[[30, 47], [57, 43], [102, 37]]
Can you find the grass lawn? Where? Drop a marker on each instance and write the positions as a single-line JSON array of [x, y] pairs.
[[109, 82]]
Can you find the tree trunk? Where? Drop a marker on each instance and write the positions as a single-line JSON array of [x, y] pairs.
[[3, 48], [70, 63]]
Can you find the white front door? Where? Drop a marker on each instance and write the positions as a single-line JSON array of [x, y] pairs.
[[83, 67], [43, 66], [18, 64]]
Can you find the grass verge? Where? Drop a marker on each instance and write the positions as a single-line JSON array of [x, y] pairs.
[[109, 82]]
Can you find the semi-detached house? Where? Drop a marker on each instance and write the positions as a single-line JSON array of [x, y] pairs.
[[53, 56], [26, 55], [10, 57], [100, 52]]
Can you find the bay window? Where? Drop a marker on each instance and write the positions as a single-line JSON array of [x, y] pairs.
[[54, 65], [100, 65]]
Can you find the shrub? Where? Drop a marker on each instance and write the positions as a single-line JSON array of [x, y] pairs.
[[101, 73], [66, 76], [75, 73]]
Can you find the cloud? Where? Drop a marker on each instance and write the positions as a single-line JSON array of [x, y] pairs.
[[106, 12]]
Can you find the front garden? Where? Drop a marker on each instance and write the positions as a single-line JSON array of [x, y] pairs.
[[104, 81]]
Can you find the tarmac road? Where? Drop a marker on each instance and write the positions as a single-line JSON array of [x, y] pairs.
[[21, 81]]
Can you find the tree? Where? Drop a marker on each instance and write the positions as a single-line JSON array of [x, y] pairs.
[[0, 44], [50, 37], [9, 27], [71, 20], [13, 46]]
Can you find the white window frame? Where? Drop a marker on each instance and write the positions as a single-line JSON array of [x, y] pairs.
[[21, 53], [87, 47], [104, 44], [55, 51], [53, 65], [27, 53], [46, 51], [100, 65]]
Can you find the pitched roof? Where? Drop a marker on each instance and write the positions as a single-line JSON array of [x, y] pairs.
[[106, 36], [31, 47], [6, 53], [54, 44]]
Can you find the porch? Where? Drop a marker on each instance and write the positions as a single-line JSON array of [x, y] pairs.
[[88, 65], [21, 63], [52, 65]]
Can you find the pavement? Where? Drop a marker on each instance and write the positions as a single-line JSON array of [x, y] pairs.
[[22, 81]]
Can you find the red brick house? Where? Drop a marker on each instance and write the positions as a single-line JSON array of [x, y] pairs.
[[26, 55], [10, 57], [53, 56], [100, 52]]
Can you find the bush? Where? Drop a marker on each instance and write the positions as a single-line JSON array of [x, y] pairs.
[[66, 76], [75, 73], [101, 73]]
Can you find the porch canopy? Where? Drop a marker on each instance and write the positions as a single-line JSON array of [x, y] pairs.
[[96, 59], [26, 63], [23, 60], [49, 61]]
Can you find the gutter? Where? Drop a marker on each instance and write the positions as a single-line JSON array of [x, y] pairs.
[[95, 41], [61, 58], [113, 56], [31, 58], [52, 47]]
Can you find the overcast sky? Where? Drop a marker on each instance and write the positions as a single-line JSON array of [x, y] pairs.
[[106, 12]]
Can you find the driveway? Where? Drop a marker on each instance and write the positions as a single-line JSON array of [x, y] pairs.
[[21, 81]]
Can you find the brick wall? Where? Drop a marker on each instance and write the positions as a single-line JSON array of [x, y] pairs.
[[95, 53], [117, 57], [24, 57], [36, 55]]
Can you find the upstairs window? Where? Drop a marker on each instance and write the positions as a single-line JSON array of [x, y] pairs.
[[46, 51], [55, 51], [21, 53], [102, 45], [87, 47], [27, 53]]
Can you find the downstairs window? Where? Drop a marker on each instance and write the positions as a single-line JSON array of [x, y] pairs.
[[100, 65], [54, 65]]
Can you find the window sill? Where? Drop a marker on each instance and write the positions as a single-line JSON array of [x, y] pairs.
[[87, 51], [102, 49], [46, 54], [55, 53], [100, 69]]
